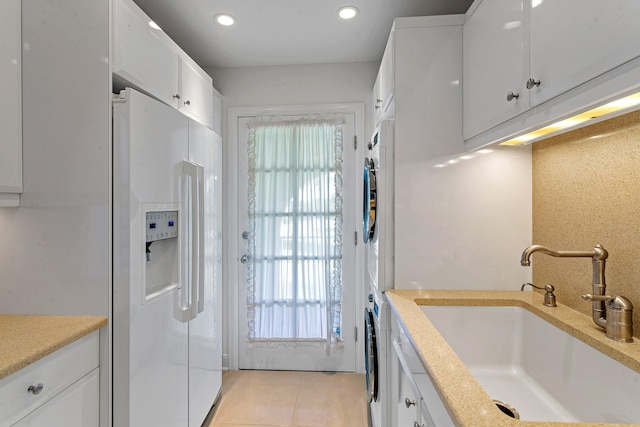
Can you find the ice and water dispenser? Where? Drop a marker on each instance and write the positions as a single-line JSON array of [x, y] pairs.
[[162, 267]]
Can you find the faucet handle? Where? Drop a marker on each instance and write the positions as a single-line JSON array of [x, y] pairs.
[[549, 296], [619, 316], [617, 302]]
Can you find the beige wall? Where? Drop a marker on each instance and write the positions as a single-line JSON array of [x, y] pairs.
[[586, 190]]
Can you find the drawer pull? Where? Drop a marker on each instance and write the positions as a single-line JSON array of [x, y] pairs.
[[35, 389]]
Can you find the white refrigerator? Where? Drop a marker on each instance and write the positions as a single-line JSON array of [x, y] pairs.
[[167, 356]]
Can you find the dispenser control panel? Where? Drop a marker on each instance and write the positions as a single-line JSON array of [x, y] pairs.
[[161, 225]]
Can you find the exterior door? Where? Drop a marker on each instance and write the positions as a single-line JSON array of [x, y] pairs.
[[292, 356]]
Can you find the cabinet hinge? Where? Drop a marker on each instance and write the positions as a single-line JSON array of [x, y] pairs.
[[355, 142], [356, 333], [355, 238]]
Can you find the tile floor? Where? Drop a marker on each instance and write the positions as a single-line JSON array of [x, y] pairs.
[[294, 399]]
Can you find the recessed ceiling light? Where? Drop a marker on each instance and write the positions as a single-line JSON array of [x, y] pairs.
[[225, 19], [347, 12]]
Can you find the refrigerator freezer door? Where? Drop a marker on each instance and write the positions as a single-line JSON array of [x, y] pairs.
[[150, 348]]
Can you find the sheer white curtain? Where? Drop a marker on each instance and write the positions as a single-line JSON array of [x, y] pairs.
[[294, 276]]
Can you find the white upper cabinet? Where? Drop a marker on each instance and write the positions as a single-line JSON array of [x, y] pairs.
[[493, 52], [384, 87], [148, 60], [196, 96], [217, 112], [143, 55], [573, 41], [11, 107], [520, 54]]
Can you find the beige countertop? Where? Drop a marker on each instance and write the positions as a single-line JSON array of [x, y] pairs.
[[468, 403], [25, 339]]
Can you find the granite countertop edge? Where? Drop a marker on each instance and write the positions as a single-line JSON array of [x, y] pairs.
[[465, 399], [27, 338]]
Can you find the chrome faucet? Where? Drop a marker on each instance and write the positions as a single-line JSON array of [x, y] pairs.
[[611, 313]]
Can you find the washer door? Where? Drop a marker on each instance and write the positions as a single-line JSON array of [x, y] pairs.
[[369, 200], [370, 355]]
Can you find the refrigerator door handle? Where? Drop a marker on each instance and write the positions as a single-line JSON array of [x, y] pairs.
[[201, 239], [192, 174]]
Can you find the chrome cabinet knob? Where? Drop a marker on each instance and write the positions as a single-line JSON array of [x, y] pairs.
[[176, 96], [511, 96], [187, 102], [417, 424], [531, 83], [408, 402], [244, 259], [35, 389]]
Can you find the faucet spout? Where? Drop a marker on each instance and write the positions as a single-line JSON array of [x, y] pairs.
[[598, 257], [597, 253]]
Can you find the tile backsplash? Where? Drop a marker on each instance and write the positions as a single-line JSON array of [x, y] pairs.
[[586, 190]]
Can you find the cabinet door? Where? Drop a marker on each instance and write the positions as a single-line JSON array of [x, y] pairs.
[[408, 402], [144, 57], [217, 112], [11, 107], [493, 65], [573, 41], [387, 74], [77, 406], [196, 93]]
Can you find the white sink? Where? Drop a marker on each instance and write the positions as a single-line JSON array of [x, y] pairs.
[[545, 373]]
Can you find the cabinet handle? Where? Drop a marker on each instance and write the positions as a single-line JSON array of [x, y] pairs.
[[416, 424], [531, 83], [408, 402], [511, 96], [35, 389], [379, 101], [187, 102], [176, 96]]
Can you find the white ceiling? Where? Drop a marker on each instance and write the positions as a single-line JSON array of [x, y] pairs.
[[286, 32]]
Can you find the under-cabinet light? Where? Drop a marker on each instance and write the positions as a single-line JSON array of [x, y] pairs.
[[155, 26], [617, 106]]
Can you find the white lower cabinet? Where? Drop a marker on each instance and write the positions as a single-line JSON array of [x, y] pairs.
[[406, 399], [61, 389], [77, 406], [414, 400]]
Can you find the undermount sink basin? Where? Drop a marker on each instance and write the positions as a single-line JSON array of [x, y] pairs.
[[543, 372]]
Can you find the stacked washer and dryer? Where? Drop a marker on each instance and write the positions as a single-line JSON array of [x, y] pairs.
[[377, 221]]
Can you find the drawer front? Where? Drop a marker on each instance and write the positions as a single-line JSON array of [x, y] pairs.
[[55, 372], [77, 406]]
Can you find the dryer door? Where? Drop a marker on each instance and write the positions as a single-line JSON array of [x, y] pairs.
[[369, 199], [370, 355]]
